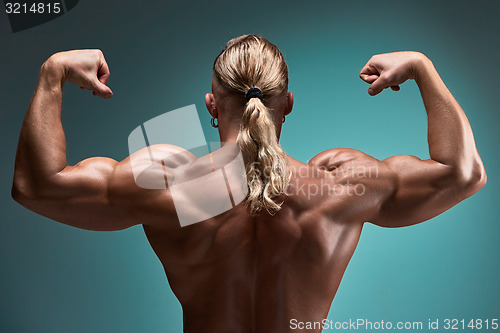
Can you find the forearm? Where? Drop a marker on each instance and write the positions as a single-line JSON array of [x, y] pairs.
[[41, 151], [450, 137]]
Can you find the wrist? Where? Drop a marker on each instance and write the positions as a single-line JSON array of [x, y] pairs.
[[421, 66], [53, 72]]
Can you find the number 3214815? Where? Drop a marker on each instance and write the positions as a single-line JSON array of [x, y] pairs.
[[478, 324], [32, 8]]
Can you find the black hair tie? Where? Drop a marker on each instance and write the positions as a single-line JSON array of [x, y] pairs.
[[253, 92]]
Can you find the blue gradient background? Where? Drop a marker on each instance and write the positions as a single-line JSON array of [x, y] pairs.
[[55, 278]]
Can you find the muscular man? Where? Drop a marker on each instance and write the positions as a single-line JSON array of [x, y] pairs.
[[280, 254]]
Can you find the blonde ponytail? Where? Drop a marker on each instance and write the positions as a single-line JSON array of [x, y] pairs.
[[267, 167], [251, 61]]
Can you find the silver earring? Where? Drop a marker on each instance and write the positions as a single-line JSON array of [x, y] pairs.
[[213, 123], [283, 120]]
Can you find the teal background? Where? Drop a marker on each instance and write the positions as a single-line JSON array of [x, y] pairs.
[[55, 278]]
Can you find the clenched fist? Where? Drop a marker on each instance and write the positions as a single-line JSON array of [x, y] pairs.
[[390, 70], [85, 68]]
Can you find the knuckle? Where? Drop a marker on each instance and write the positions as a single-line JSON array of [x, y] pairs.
[[389, 77], [98, 54]]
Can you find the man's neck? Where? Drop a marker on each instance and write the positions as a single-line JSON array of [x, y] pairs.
[[229, 132]]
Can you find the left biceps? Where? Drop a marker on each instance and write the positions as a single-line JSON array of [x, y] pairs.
[[424, 189], [79, 196]]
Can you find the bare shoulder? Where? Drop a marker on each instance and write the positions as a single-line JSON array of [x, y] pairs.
[[161, 153], [351, 165], [361, 182], [140, 181], [332, 159]]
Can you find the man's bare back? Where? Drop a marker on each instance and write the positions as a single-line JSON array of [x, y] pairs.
[[235, 272]]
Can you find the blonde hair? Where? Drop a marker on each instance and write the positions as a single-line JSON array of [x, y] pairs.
[[250, 61]]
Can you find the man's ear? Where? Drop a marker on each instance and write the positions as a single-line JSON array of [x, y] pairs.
[[210, 103], [289, 103]]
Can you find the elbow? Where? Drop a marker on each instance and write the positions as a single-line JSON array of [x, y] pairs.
[[32, 192], [479, 178], [17, 194], [473, 180], [21, 192]]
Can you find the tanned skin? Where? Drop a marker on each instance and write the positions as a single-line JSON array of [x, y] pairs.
[[233, 272]]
